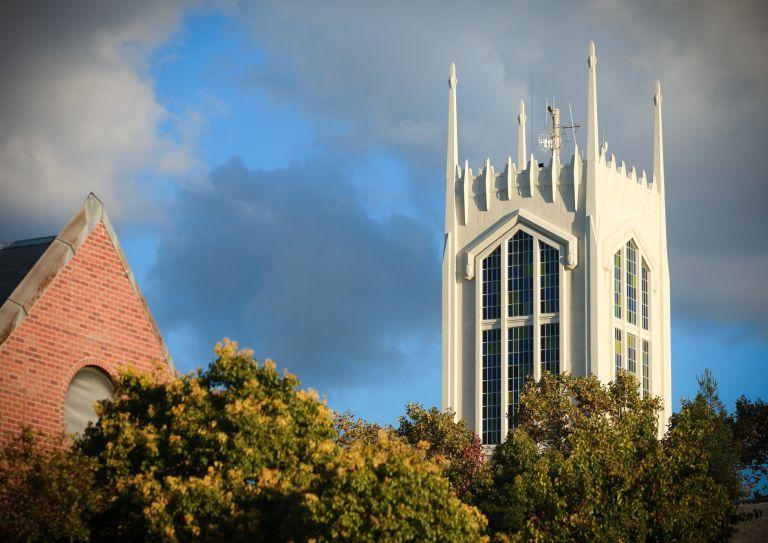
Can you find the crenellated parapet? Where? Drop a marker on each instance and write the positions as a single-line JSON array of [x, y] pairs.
[[581, 185]]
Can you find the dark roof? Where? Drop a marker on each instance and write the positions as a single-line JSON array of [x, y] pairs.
[[16, 259]]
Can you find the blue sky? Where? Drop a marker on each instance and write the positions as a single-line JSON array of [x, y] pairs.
[[275, 171]]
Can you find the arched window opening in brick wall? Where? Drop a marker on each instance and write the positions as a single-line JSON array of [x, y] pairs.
[[88, 386]]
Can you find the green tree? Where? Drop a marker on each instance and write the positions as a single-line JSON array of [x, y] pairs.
[[585, 464], [573, 468], [239, 453], [448, 439], [750, 430], [47, 493], [697, 479]]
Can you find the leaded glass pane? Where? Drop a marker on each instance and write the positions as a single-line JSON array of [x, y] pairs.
[[617, 350], [617, 285], [520, 346], [631, 282], [550, 347], [631, 353], [520, 275], [492, 285], [645, 272], [491, 386], [646, 368], [549, 278]]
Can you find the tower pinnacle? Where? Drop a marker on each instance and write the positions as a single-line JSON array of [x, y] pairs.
[[658, 141], [452, 154], [521, 149]]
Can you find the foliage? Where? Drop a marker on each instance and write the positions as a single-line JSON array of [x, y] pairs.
[[750, 430], [585, 464], [697, 479], [350, 430], [238, 452], [448, 439], [572, 469], [46, 493], [388, 490]]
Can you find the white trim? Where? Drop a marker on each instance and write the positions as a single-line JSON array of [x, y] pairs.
[[567, 243]]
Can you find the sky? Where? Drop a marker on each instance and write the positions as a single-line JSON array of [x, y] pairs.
[[274, 170]]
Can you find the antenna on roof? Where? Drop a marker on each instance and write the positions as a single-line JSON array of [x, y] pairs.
[[573, 126], [551, 141]]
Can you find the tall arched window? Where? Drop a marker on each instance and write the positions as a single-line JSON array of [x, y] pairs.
[[88, 386], [523, 339], [631, 287]]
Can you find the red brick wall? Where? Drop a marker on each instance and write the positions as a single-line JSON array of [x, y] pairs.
[[88, 315]]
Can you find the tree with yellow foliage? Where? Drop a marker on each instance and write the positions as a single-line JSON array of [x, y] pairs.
[[239, 452]]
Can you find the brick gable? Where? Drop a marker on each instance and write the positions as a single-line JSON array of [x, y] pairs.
[[89, 314]]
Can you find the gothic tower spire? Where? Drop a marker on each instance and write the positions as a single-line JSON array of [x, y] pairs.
[[449, 260], [521, 150], [452, 154], [593, 153], [658, 141]]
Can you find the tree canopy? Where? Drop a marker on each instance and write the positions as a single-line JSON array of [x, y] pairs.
[[585, 464], [239, 452]]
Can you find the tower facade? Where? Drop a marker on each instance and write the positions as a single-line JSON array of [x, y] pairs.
[[559, 267]]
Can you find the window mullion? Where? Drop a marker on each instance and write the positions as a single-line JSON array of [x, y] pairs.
[[504, 341], [536, 312]]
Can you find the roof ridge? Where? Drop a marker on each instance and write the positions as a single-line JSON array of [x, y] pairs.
[[26, 242]]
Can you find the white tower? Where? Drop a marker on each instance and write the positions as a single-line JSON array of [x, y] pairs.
[[552, 268]]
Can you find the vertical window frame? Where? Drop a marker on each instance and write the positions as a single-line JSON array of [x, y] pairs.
[[646, 382], [520, 274], [631, 255], [550, 347], [520, 367], [491, 386], [632, 353], [491, 303], [549, 278], [645, 277], [617, 284]]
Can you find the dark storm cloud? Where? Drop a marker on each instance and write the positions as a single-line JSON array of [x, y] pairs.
[[380, 71], [287, 262]]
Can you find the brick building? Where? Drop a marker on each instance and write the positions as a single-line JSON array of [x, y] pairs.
[[72, 315]]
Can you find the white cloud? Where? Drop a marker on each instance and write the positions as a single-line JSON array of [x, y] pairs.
[[78, 112]]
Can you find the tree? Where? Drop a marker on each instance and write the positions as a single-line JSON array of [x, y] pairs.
[[572, 469], [585, 464], [698, 477], [239, 453], [46, 494], [447, 438], [750, 430], [388, 490], [350, 430]]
